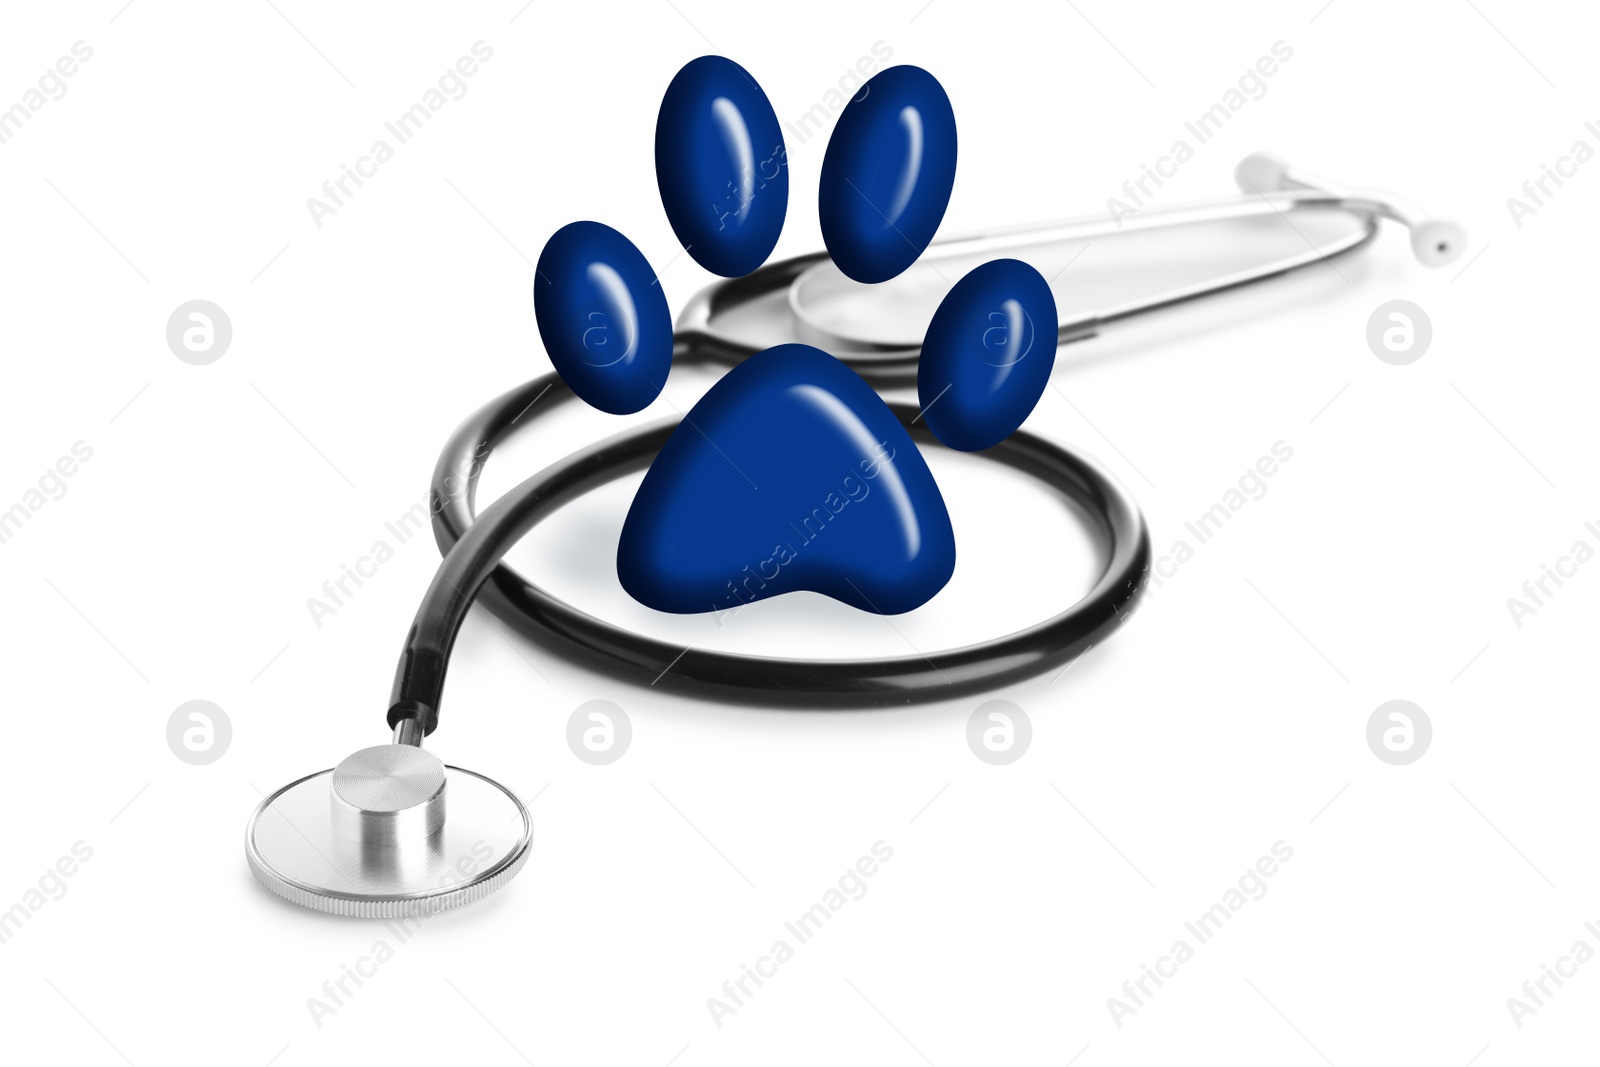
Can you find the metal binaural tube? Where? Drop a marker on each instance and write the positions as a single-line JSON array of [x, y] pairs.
[[1435, 241]]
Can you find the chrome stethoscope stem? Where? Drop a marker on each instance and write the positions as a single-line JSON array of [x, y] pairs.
[[408, 732]]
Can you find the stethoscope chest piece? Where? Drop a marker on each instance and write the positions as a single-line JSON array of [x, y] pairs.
[[390, 832]]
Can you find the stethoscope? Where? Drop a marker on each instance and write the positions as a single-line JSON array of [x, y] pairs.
[[371, 837]]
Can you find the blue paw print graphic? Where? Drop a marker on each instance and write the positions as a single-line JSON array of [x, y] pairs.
[[792, 473]]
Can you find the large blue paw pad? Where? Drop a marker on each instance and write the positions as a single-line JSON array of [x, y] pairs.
[[790, 474]]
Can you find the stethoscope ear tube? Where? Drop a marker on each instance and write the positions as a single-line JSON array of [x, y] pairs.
[[1434, 241], [1271, 191], [474, 545]]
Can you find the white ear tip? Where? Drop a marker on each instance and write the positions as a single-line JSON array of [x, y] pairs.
[[1437, 242], [1261, 172]]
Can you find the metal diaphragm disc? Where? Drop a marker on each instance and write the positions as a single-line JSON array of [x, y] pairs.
[[296, 850]]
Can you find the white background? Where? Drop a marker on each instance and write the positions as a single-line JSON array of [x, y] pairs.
[[1230, 715]]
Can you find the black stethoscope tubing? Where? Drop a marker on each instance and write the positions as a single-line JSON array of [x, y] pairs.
[[473, 546]]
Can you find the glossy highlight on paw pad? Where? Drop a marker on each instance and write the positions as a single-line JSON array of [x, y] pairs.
[[721, 166], [790, 474], [603, 317], [888, 174]]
